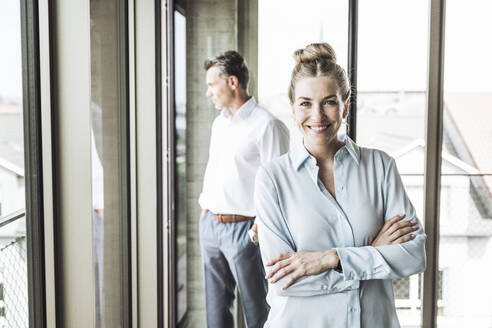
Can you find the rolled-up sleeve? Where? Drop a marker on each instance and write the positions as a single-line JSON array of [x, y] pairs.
[[388, 261], [275, 239]]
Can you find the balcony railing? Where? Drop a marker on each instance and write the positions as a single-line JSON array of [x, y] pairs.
[[13, 275]]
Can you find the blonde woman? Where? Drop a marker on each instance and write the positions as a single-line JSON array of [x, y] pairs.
[[335, 224]]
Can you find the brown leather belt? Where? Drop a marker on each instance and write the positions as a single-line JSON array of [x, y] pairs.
[[230, 218]]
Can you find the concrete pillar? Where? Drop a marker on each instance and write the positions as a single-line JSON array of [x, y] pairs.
[[247, 39], [210, 29]]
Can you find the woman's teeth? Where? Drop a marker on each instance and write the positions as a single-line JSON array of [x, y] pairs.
[[318, 128]]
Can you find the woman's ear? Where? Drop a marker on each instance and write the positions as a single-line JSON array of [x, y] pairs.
[[346, 108]]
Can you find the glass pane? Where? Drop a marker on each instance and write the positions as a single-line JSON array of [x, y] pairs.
[[13, 265], [108, 131], [392, 66], [180, 98], [465, 249], [300, 23]]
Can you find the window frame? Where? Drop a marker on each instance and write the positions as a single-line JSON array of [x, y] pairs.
[[33, 154]]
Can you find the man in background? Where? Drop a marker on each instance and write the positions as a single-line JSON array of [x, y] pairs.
[[243, 137]]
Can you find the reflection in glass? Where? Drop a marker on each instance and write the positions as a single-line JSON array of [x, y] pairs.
[[108, 163], [180, 98], [391, 102], [465, 244], [13, 254]]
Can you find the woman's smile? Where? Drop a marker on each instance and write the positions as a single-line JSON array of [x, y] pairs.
[[318, 128]]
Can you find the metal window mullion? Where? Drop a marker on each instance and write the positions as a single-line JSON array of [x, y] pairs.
[[432, 184], [132, 188], [170, 180], [33, 164], [125, 196], [146, 161], [352, 65], [159, 163]]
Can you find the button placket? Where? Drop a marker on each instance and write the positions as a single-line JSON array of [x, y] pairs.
[[337, 167]]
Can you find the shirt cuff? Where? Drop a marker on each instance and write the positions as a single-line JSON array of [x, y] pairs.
[[360, 263]]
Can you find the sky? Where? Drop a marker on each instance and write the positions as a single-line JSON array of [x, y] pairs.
[[393, 37], [10, 51], [392, 43]]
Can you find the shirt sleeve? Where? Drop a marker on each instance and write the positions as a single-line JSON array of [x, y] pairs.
[[274, 141], [388, 261], [203, 198], [275, 238]]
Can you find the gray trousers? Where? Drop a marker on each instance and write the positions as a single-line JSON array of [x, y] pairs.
[[230, 259]]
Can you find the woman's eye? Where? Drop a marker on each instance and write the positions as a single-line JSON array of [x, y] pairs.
[[330, 102], [304, 104]]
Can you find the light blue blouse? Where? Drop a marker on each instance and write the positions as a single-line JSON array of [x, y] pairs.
[[295, 212]]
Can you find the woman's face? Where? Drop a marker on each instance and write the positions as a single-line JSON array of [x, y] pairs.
[[318, 109]]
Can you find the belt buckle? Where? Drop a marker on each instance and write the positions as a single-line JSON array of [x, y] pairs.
[[234, 218]]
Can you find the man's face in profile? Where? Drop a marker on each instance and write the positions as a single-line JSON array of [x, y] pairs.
[[218, 88]]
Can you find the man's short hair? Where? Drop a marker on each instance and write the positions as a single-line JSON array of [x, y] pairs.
[[230, 63]]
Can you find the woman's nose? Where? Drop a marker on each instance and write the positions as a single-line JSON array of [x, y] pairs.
[[317, 112]]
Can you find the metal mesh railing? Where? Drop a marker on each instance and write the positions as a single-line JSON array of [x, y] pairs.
[[401, 288], [13, 275], [13, 284]]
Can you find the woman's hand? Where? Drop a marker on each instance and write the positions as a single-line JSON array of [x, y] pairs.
[[395, 231], [301, 264]]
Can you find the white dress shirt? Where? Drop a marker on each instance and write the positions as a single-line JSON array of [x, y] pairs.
[[239, 144], [295, 212]]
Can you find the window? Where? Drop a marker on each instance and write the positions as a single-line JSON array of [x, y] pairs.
[[109, 163], [465, 243], [13, 251], [391, 107]]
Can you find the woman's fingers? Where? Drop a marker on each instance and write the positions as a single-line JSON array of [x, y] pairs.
[[400, 225], [392, 221], [299, 264], [282, 273], [404, 239], [277, 267], [393, 229], [281, 257], [403, 231], [296, 275]]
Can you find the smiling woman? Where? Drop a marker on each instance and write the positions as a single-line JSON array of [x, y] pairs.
[[317, 111], [335, 224]]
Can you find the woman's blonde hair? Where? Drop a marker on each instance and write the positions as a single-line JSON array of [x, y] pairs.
[[318, 59]]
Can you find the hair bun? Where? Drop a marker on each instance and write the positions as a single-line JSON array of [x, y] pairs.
[[315, 52]]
